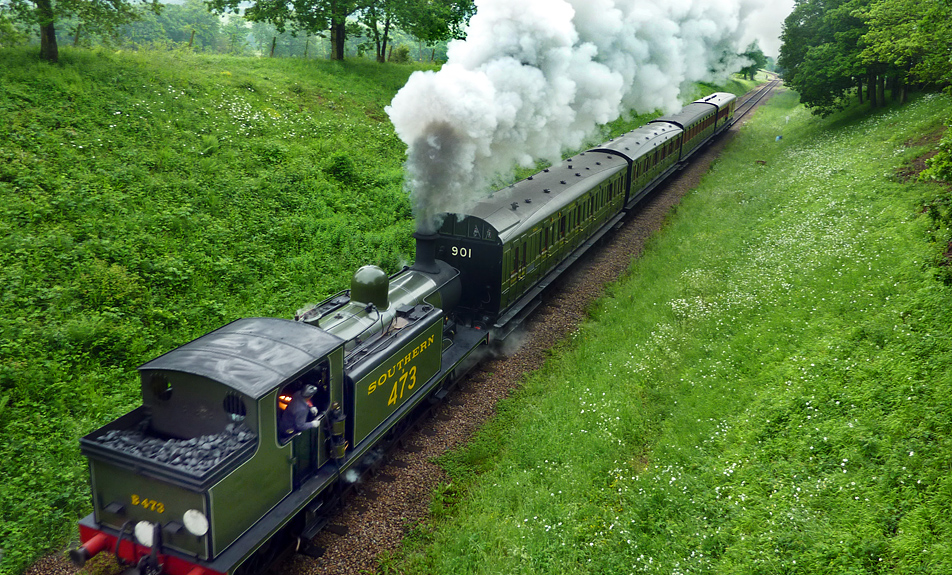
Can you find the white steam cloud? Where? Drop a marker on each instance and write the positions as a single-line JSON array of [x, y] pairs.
[[536, 77]]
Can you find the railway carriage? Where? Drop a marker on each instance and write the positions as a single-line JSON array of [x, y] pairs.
[[652, 151], [726, 104], [511, 245], [701, 120]]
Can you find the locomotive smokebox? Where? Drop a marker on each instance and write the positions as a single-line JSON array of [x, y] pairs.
[[426, 253]]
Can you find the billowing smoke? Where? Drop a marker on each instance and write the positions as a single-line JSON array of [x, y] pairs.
[[536, 77]]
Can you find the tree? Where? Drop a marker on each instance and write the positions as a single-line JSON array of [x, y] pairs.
[[190, 23], [433, 21], [820, 54], [758, 60], [92, 15], [833, 47], [11, 32], [378, 17], [430, 21], [912, 38]]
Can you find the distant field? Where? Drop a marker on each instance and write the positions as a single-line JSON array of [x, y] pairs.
[[147, 198], [768, 391]]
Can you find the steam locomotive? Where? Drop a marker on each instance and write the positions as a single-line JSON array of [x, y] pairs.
[[207, 478]]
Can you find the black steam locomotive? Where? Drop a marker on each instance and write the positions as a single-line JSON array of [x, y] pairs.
[[211, 475]]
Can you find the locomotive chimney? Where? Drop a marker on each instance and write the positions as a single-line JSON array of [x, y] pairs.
[[425, 253]]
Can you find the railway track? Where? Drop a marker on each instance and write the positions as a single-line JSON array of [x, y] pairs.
[[754, 97]]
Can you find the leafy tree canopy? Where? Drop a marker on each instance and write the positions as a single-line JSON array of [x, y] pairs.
[[429, 20], [757, 59], [832, 48]]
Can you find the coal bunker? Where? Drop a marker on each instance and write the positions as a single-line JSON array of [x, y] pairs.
[[196, 455]]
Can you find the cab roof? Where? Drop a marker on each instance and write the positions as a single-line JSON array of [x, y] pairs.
[[251, 355]]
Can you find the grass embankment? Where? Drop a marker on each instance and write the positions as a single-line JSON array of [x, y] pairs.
[[768, 391], [148, 198]]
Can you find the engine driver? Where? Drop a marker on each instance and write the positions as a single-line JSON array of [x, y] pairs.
[[300, 414]]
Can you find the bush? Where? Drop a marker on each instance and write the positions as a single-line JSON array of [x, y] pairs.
[[342, 168], [940, 165], [401, 55]]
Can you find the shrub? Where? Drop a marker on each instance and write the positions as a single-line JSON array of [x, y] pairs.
[[342, 168], [940, 165], [400, 55]]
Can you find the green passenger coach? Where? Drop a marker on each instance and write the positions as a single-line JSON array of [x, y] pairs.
[[514, 243]]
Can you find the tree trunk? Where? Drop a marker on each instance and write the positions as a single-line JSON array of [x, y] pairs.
[[375, 26], [47, 20], [338, 37], [881, 91], [274, 42], [76, 38], [386, 39], [871, 89]]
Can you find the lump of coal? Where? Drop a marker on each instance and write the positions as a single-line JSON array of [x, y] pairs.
[[195, 455]]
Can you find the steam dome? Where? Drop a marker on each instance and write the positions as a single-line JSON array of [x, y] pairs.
[[370, 284]]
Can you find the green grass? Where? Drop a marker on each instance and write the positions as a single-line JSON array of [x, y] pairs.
[[147, 198], [768, 391]]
